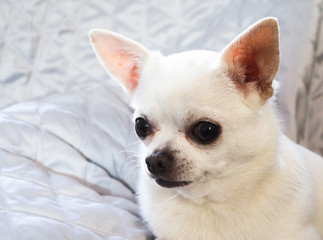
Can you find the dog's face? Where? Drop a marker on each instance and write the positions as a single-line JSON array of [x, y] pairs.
[[199, 113], [190, 117]]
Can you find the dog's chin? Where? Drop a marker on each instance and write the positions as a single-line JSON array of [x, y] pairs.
[[171, 184]]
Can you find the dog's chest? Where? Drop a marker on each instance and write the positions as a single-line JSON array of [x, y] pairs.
[[183, 220], [172, 217]]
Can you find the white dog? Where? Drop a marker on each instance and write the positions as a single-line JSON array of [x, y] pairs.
[[217, 164]]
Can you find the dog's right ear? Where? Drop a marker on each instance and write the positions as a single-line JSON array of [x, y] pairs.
[[122, 57], [253, 58]]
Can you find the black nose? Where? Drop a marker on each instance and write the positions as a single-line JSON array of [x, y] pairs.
[[159, 162]]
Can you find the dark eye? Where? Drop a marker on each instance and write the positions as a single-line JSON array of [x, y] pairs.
[[206, 132], [142, 127]]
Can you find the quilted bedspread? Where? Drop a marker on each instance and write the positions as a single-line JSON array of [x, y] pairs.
[[68, 151], [50, 188]]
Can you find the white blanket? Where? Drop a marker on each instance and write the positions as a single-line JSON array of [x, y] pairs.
[[61, 168]]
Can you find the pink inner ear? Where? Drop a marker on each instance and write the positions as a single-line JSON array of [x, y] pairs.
[[134, 77], [245, 59], [253, 57], [124, 67]]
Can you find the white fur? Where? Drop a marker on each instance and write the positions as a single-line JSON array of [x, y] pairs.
[[260, 184], [253, 183]]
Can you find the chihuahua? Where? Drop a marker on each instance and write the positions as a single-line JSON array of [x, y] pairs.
[[216, 164]]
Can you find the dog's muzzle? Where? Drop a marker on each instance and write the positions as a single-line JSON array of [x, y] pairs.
[[161, 166]]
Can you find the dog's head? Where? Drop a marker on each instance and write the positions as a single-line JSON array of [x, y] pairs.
[[202, 115]]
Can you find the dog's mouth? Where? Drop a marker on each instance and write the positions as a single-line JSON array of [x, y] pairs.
[[171, 184]]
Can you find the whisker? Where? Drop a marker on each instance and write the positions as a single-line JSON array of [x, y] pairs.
[[131, 162], [136, 168], [133, 157], [135, 143], [128, 151], [170, 198]]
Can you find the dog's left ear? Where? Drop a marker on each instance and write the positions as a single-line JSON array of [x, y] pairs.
[[122, 57], [253, 58]]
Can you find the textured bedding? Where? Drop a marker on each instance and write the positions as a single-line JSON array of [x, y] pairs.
[[50, 188], [68, 151]]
